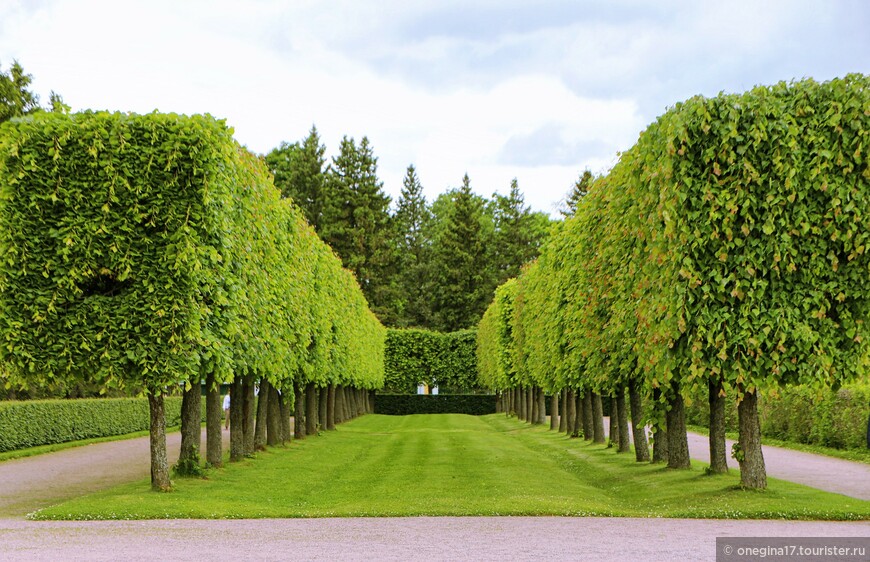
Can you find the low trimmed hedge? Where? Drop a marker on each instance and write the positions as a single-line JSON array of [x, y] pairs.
[[836, 419], [45, 422], [407, 404]]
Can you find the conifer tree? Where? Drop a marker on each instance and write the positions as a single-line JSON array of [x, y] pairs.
[[411, 242], [299, 174], [578, 192]]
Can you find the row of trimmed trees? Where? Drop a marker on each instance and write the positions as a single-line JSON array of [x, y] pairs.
[[726, 250], [148, 251]]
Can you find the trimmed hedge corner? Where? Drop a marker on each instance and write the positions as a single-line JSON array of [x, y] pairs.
[[407, 404], [46, 422]]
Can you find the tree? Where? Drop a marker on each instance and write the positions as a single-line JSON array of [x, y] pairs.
[[411, 243], [459, 286], [298, 170], [578, 192], [355, 219], [15, 97], [518, 233]]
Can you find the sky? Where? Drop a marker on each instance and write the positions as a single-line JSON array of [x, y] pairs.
[[532, 90]]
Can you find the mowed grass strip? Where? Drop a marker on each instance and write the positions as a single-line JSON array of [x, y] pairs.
[[388, 466]]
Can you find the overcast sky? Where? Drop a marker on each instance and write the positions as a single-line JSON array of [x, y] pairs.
[[536, 90]]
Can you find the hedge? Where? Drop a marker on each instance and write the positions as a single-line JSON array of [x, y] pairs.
[[832, 418], [45, 422], [407, 404], [446, 360]]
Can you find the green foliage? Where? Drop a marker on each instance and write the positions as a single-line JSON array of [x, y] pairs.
[[447, 360], [298, 170], [15, 97], [43, 422], [148, 249], [409, 404]]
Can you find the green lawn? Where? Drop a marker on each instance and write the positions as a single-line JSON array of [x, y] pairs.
[[454, 465]]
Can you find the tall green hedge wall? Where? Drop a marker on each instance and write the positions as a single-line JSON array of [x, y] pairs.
[[151, 249], [443, 359], [730, 244]]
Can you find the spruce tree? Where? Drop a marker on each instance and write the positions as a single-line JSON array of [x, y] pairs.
[[411, 243], [578, 192], [298, 170]]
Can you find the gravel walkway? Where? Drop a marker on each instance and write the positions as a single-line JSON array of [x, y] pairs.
[[411, 538]]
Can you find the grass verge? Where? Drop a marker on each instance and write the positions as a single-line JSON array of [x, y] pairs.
[[857, 455], [455, 465]]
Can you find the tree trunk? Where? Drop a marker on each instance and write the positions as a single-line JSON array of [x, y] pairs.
[[534, 406], [660, 432], [274, 431], [213, 437], [578, 415], [554, 411], [530, 404], [718, 456], [299, 410], [678, 441], [571, 413], [753, 474], [641, 448], [322, 399], [237, 420], [262, 415], [286, 415], [159, 462], [311, 402], [340, 404], [624, 439], [250, 413], [597, 419], [542, 406], [563, 418], [330, 408], [588, 415], [613, 430], [191, 431]]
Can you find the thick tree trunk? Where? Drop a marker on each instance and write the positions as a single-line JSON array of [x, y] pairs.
[[597, 419], [554, 411], [237, 421], [286, 415], [340, 404], [213, 437], [274, 431], [311, 402], [718, 455], [641, 448], [159, 462], [191, 431], [563, 418], [250, 407], [330, 408], [678, 440], [570, 413], [660, 432], [262, 415], [613, 421], [624, 439], [322, 400], [542, 406], [578, 415], [753, 473], [588, 414], [521, 406], [299, 411]]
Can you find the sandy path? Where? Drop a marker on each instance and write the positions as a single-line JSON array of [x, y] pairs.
[[411, 538], [34, 482], [817, 471]]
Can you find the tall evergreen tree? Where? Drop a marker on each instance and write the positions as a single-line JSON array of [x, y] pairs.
[[518, 233], [411, 241], [578, 192], [355, 220], [459, 288], [299, 174]]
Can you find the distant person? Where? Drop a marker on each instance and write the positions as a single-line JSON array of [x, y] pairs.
[[227, 409]]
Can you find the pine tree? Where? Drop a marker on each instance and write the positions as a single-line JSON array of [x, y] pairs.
[[459, 288], [298, 170], [517, 233], [578, 192], [411, 242], [355, 220]]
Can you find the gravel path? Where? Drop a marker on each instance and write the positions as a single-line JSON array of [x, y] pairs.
[[817, 471], [411, 538], [31, 483]]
